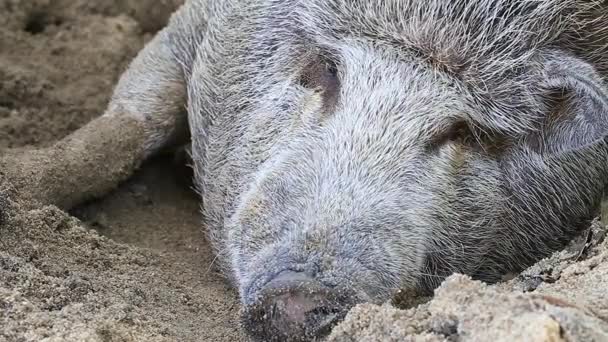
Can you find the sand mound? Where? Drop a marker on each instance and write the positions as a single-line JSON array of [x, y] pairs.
[[562, 298], [135, 265]]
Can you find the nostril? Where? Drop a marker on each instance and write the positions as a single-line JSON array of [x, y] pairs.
[[324, 318], [321, 311], [296, 307]]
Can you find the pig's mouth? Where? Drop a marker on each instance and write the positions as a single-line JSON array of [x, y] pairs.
[[295, 307]]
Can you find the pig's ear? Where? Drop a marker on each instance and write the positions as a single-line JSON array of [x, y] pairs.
[[575, 101]]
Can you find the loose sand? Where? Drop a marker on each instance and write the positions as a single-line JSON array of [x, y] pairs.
[[135, 265]]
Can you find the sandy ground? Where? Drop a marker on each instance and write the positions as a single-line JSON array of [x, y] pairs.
[[135, 265]]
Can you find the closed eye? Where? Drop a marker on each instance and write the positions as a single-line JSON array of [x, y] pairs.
[[475, 138], [458, 132]]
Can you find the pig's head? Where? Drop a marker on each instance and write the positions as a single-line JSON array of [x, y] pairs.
[[393, 143]]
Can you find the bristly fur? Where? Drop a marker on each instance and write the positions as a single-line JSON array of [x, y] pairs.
[[460, 136], [486, 48]]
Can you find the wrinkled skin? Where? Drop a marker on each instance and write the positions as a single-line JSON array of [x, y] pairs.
[[346, 149]]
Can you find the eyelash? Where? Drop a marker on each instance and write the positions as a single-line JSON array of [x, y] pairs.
[[475, 138], [458, 131]]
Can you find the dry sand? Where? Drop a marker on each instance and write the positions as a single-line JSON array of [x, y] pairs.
[[135, 265]]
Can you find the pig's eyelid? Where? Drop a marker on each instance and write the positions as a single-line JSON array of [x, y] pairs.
[[459, 130]]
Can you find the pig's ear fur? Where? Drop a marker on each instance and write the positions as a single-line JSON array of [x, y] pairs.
[[575, 100]]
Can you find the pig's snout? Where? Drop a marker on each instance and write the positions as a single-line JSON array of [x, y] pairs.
[[295, 307]]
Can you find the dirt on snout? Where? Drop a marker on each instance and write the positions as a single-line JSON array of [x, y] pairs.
[[135, 264]]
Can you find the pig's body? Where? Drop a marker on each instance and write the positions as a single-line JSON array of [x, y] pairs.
[[346, 149]]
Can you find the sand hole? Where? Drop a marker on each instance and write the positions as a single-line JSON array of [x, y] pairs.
[[38, 22]]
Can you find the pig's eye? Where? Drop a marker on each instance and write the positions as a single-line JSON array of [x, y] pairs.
[[475, 138], [458, 132], [321, 75]]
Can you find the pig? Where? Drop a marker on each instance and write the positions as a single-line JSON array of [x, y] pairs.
[[344, 149]]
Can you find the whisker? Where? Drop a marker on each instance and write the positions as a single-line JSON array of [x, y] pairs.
[[217, 254]]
